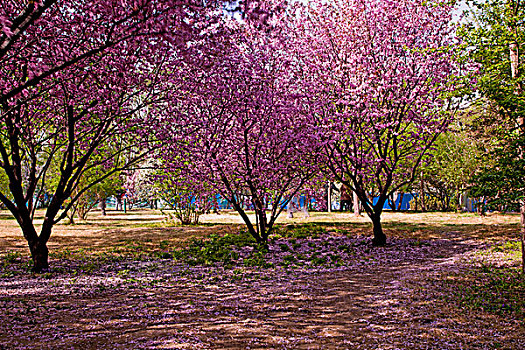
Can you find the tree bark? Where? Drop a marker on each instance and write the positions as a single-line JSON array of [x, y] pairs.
[[102, 206], [251, 230], [522, 236], [422, 194], [392, 202], [290, 209], [329, 197], [400, 201], [305, 207], [481, 206], [379, 239], [40, 256], [357, 210], [515, 73], [264, 229]]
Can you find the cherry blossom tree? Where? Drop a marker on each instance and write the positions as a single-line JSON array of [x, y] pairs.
[[383, 70], [248, 129], [76, 80]]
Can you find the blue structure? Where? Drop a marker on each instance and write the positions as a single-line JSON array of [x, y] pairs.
[[405, 204]]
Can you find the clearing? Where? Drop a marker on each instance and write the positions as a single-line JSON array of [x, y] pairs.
[[131, 281]]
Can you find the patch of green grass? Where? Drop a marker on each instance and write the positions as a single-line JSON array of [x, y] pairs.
[[508, 247], [164, 244], [318, 261], [289, 258], [284, 247], [62, 253], [257, 259], [496, 290], [12, 257], [13, 263], [216, 249], [419, 243], [300, 231]]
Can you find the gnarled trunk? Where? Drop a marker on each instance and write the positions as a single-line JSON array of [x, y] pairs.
[[37, 243], [40, 256], [379, 239]]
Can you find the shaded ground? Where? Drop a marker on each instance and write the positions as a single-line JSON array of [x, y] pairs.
[[116, 294]]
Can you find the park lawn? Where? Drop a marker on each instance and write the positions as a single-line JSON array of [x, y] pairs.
[[444, 280]]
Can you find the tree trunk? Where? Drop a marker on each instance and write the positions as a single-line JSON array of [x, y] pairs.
[[357, 210], [40, 256], [329, 197], [290, 209], [379, 239], [305, 207], [481, 206], [515, 73], [82, 213], [102, 206], [392, 202], [514, 59], [36, 243], [264, 230], [401, 195], [251, 230], [422, 194], [522, 236], [71, 215]]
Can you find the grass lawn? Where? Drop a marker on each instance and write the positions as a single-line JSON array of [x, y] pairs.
[[133, 281]]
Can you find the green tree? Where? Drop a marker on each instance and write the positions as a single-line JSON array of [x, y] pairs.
[[497, 35], [186, 200], [96, 183], [87, 200], [454, 158]]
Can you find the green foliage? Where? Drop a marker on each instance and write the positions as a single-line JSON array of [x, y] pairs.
[[96, 190], [257, 259], [496, 34], [495, 25], [419, 243], [284, 247], [184, 198], [503, 183], [455, 156], [215, 249], [4, 185], [164, 244]]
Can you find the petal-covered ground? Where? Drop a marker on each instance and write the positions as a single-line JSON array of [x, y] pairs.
[[327, 290]]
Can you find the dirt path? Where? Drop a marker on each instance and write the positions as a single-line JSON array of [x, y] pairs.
[[161, 305]]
